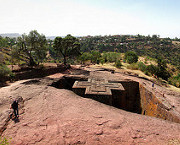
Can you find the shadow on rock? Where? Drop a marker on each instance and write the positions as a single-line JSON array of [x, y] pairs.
[[16, 119]]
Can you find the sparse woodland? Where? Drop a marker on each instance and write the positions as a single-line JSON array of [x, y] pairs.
[[34, 49]]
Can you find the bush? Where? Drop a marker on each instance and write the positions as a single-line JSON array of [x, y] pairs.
[[4, 70], [131, 57], [4, 141], [133, 66], [118, 64], [111, 56], [142, 66], [102, 61], [162, 71], [152, 69], [95, 55], [12, 77], [175, 81], [85, 56]]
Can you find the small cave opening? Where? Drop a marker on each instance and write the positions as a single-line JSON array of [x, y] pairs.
[[128, 100]]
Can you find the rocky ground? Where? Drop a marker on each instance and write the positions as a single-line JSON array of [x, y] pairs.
[[57, 116]]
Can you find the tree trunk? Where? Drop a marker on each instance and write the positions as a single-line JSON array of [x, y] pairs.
[[64, 60], [32, 62]]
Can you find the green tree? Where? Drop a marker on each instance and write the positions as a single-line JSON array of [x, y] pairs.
[[154, 37], [111, 56], [105, 56], [131, 57], [31, 48], [162, 71], [85, 56], [152, 69], [141, 66], [67, 47], [102, 61], [1, 58], [175, 80], [95, 56], [3, 42], [118, 64], [4, 70]]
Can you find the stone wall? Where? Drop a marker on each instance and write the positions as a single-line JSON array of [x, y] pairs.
[[156, 106], [136, 98], [132, 99]]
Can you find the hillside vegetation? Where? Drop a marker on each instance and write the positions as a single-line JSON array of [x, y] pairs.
[[154, 56], [168, 49]]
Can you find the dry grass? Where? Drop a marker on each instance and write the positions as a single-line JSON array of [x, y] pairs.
[[173, 88], [176, 42], [138, 72], [105, 65], [122, 69], [147, 62]]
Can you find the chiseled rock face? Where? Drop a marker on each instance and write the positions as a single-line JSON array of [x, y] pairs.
[[59, 116]]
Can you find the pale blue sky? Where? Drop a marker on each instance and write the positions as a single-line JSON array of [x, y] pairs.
[[91, 17]]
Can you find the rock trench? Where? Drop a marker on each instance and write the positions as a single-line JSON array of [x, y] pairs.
[[59, 116], [135, 98]]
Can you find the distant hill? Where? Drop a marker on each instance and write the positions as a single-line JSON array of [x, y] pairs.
[[53, 37], [11, 35], [153, 46]]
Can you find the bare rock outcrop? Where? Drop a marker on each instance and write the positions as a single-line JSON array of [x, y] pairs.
[[58, 116]]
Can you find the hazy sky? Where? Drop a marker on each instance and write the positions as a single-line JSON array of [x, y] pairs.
[[91, 17]]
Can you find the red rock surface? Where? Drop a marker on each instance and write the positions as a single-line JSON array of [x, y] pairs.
[[59, 116]]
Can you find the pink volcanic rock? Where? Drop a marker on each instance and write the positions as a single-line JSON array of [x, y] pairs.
[[59, 116]]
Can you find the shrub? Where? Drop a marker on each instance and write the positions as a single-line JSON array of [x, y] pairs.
[[147, 73], [142, 66], [151, 69], [102, 61], [4, 70], [111, 56], [85, 56], [12, 77], [41, 66], [162, 71], [131, 57], [177, 77], [175, 81], [118, 64], [4, 141], [95, 55], [133, 66], [7, 62]]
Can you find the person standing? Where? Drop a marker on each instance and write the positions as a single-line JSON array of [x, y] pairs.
[[153, 85], [14, 106]]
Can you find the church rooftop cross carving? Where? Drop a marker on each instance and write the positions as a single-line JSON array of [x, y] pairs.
[[97, 86]]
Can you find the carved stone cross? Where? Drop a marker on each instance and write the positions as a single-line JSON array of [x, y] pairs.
[[97, 86]]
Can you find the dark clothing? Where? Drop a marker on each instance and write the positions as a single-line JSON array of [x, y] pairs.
[[16, 113], [15, 108], [14, 105], [153, 85]]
